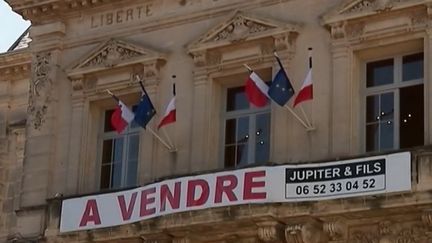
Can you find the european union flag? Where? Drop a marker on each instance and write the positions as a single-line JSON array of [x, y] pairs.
[[145, 110], [281, 89]]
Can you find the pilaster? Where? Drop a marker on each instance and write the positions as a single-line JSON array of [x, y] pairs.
[[340, 100], [200, 121]]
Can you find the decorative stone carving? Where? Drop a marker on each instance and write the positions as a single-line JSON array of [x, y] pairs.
[[427, 218], [367, 5], [199, 58], [181, 240], [40, 89], [239, 29], [336, 230], [338, 30], [309, 232], [270, 232], [355, 30], [111, 55], [385, 231], [360, 237], [77, 84], [114, 53]]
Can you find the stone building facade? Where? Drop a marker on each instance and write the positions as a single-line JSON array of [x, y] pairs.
[[371, 66]]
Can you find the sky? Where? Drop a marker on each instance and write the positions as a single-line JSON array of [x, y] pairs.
[[12, 26]]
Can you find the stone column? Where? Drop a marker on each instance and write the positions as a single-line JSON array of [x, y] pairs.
[[200, 121], [340, 100], [76, 157], [47, 127]]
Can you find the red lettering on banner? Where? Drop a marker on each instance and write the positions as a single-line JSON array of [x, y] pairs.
[[250, 184], [192, 185], [127, 213], [91, 214], [227, 189], [165, 194], [146, 200]]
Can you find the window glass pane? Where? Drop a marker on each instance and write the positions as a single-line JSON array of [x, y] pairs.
[[116, 172], [379, 73], [230, 131], [107, 151], [412, 67], [262, 134], [236, 99], [411, 116], [230, 156], [242, 155], [372, 137], [133, 147], [105, 178], [387, 106], [116, 175], [107, 122], [386, 135], [243, 130], [372, 108], [131, 177]]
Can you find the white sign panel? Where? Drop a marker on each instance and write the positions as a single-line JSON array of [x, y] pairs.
[[265, 184]]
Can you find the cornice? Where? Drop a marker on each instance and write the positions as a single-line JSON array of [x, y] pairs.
[[357, 9], [15, 64], [36, 10]]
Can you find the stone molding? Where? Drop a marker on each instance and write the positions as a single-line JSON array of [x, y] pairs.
[[38, 10], [115, 53], [355, 9], [110, 55], [344, 27], [241, 28], [15, 65]]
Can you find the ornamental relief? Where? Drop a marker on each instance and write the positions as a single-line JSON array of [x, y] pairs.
[[111, 55], [239, 29], [374, 5], [391, 232], [40, 89]]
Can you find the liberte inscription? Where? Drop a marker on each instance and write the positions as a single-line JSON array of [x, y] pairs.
[[121, 16]]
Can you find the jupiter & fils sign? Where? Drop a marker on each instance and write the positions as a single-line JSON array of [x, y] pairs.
[[262, 184], [336, 179]]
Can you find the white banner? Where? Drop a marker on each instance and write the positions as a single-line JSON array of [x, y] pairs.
[[265, 184]]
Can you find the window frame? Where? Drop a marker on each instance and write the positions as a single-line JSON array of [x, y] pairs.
[[394, 88], [251, 112], [126, 134]]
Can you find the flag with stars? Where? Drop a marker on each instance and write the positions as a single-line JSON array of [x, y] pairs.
[[281, 89], [145, 110]]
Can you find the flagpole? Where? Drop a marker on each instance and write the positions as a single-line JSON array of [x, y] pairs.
[[296, 116], [301, 107], [158, 137], [163, 128], [148, 128], [286, 106]]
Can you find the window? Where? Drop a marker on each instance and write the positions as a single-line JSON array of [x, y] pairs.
[[119, 159], [394, 103], [247, 130]]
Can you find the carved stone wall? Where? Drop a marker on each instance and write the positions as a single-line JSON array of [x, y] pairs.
[[40, 89]]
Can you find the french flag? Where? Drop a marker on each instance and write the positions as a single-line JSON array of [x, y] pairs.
[[170, 112], [121, 117], [306, 91], [256, 90]]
